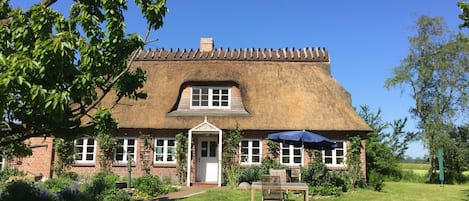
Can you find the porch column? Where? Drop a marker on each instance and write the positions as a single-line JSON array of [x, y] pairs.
[[220, 144], [189, 145]]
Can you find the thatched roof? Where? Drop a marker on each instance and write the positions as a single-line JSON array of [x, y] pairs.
[[279, 89]]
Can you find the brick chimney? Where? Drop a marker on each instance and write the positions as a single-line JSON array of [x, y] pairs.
[[206, 44]]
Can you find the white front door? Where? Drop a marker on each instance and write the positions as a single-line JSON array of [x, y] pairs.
[[207, 160]]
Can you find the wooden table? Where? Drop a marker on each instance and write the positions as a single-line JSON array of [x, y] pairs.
[[294, 186]]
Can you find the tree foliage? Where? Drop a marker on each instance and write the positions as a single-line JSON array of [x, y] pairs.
[[55, 70], [384, 149], [436, 74]]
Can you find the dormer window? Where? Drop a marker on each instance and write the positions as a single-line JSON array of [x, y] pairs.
[[210, 97]]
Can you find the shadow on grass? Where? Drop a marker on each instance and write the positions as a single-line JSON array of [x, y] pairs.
[[467, 195]]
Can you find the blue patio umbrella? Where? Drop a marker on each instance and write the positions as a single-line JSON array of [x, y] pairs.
[[308, 139]]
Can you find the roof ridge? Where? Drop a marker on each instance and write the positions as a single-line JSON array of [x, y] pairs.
[[306, 54]]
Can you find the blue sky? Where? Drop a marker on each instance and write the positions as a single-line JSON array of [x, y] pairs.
[[365, 38]]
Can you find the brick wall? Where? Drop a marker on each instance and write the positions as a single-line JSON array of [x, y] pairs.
[[41, 159]]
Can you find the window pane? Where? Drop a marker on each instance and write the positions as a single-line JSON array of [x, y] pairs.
[[79, 156], [340, 160], [285, 151], [296, 152], [339, 153], [255, 151], [80, 142], [328, 153], [224, 104], [255, 143], [224, 91], [90, 141], [328, 160], [285, 159], [171, 143], [340, 145], [159, 143], [89, 157], [130, 142], [244, 151], [297, 159], [244, 143], [204, 90], [89, 149], [213, 148], [119, 157], [244, 158], [204, 103], [159, 157], [256, 159]]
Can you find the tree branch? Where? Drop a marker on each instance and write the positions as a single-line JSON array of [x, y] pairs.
[[114, 81], [46, 3]]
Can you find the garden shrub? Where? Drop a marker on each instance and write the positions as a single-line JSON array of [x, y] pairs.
[[270, 164], [57, 185], [21, 190], [251, 174], [376, 181], [324, 182], [148, 186], [71, 175], [115, 195], [9, 172], [100, 184]]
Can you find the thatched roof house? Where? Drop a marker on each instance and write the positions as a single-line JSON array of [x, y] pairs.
[[259, 90]]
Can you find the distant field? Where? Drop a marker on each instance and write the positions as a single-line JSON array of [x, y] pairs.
[[414, 166], [420, 168]]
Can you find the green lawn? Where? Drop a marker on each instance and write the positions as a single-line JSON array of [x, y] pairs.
[[392, 191]]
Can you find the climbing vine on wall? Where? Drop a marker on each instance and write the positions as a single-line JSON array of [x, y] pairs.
[[64, 149], [181, 156], [230, 163], [145, 152]]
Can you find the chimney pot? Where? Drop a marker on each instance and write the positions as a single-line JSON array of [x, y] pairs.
[[206, 44]]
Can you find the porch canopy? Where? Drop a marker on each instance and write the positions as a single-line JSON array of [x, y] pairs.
[[204, 128]]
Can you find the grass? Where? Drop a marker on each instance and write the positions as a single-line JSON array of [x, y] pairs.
[[392, 191]]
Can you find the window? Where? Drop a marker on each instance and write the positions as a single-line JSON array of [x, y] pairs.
[[165, 150], [291, 154], [210, 97], [127, 148], [251, 151], [85, 150], [2, 162], [335, 157]]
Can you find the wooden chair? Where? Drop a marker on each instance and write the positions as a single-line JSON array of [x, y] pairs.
[[271, 188], [282, 173], [295, 175]]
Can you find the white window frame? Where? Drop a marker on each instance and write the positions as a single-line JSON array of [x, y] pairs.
[[291, 160], [125, 146], [165, 151], [334, 155], [210, 98], [250, 152], [84, 151]]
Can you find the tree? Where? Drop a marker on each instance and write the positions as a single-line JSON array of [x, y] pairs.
[[384, 150], [436, 73], [56, 70]]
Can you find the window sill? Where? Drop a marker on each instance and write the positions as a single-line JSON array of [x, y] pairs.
[[122, 164], [166, 165], [84, 164]]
